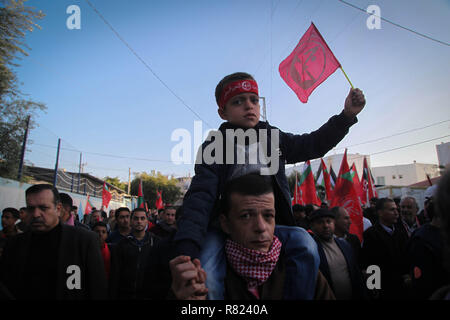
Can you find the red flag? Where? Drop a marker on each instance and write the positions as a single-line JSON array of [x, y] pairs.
[[308, 187], [310, 64], [345, 196], [369, 190], [356, 183], [88, 208], [326, 181], [140, 203], [159, 202], [106, 196]]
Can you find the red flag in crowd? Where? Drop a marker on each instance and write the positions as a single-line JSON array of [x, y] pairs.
[[357, 183], [310, 64], [345, 196], [368, 186], [140, 203], [159, 202], [106, 196], [323, 179], [308, 186], [88, 207]]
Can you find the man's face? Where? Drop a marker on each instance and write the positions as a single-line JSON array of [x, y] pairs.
[[139, 221], [65, 212], [8, 220], [251, 221], [42, 213], [242, 110], [95, 216], [102, 233], [343, 222], [22, 214], [389, 214], [299, 215], [169, 216], [123, 219], [323, 228], [408, 210]]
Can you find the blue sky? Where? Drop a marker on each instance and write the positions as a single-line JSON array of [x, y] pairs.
[[102, 99]]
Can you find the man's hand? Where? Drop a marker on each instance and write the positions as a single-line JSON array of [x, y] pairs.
[[188, 279], [354, 103]]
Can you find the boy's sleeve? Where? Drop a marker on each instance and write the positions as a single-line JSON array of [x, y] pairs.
[[298, 148], [198, 204]]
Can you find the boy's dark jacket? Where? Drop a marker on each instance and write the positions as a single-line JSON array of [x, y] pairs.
[[208, 184]]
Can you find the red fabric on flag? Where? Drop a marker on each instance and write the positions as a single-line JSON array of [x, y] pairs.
[[140, 195], [357, 183], [345, 196], [88, 208], [106, 196], [309, 64], [309, 187], [159, 202], [327, 180]]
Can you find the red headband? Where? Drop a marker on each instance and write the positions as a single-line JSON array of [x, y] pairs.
[[237, 87]]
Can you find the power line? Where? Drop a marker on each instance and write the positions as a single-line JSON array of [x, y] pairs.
[[409, 145], [396, 24], [143, 62], [104, 154], [394, 135]]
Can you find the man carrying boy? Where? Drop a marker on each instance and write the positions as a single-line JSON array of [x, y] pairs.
[[238, 101]]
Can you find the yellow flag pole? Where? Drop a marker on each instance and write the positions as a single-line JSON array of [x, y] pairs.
[[347, 78]]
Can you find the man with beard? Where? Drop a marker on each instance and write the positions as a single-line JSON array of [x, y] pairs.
[[129, 259]]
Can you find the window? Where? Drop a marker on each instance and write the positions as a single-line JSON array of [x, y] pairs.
[[393, 177], [380, 181]]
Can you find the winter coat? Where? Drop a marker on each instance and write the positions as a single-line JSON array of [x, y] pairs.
[[208, 184]]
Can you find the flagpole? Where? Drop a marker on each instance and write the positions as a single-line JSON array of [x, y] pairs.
[[347, 77]]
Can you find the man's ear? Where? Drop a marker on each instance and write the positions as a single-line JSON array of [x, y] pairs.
[[224, 223], [222, 113], [58, 208]]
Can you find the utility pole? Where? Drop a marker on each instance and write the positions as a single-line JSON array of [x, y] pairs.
[[79, 174], [129, 180], [22, 156], [55, 178]]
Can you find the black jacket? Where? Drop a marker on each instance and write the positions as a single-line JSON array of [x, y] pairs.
[[209, 181], [388, 252], [426, 263], [77, 247], [128, 261]]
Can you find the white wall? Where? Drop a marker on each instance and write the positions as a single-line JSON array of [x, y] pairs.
[[12, 194], [405, 174]]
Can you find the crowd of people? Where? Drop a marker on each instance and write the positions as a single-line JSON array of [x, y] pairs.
[[236, 236]]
